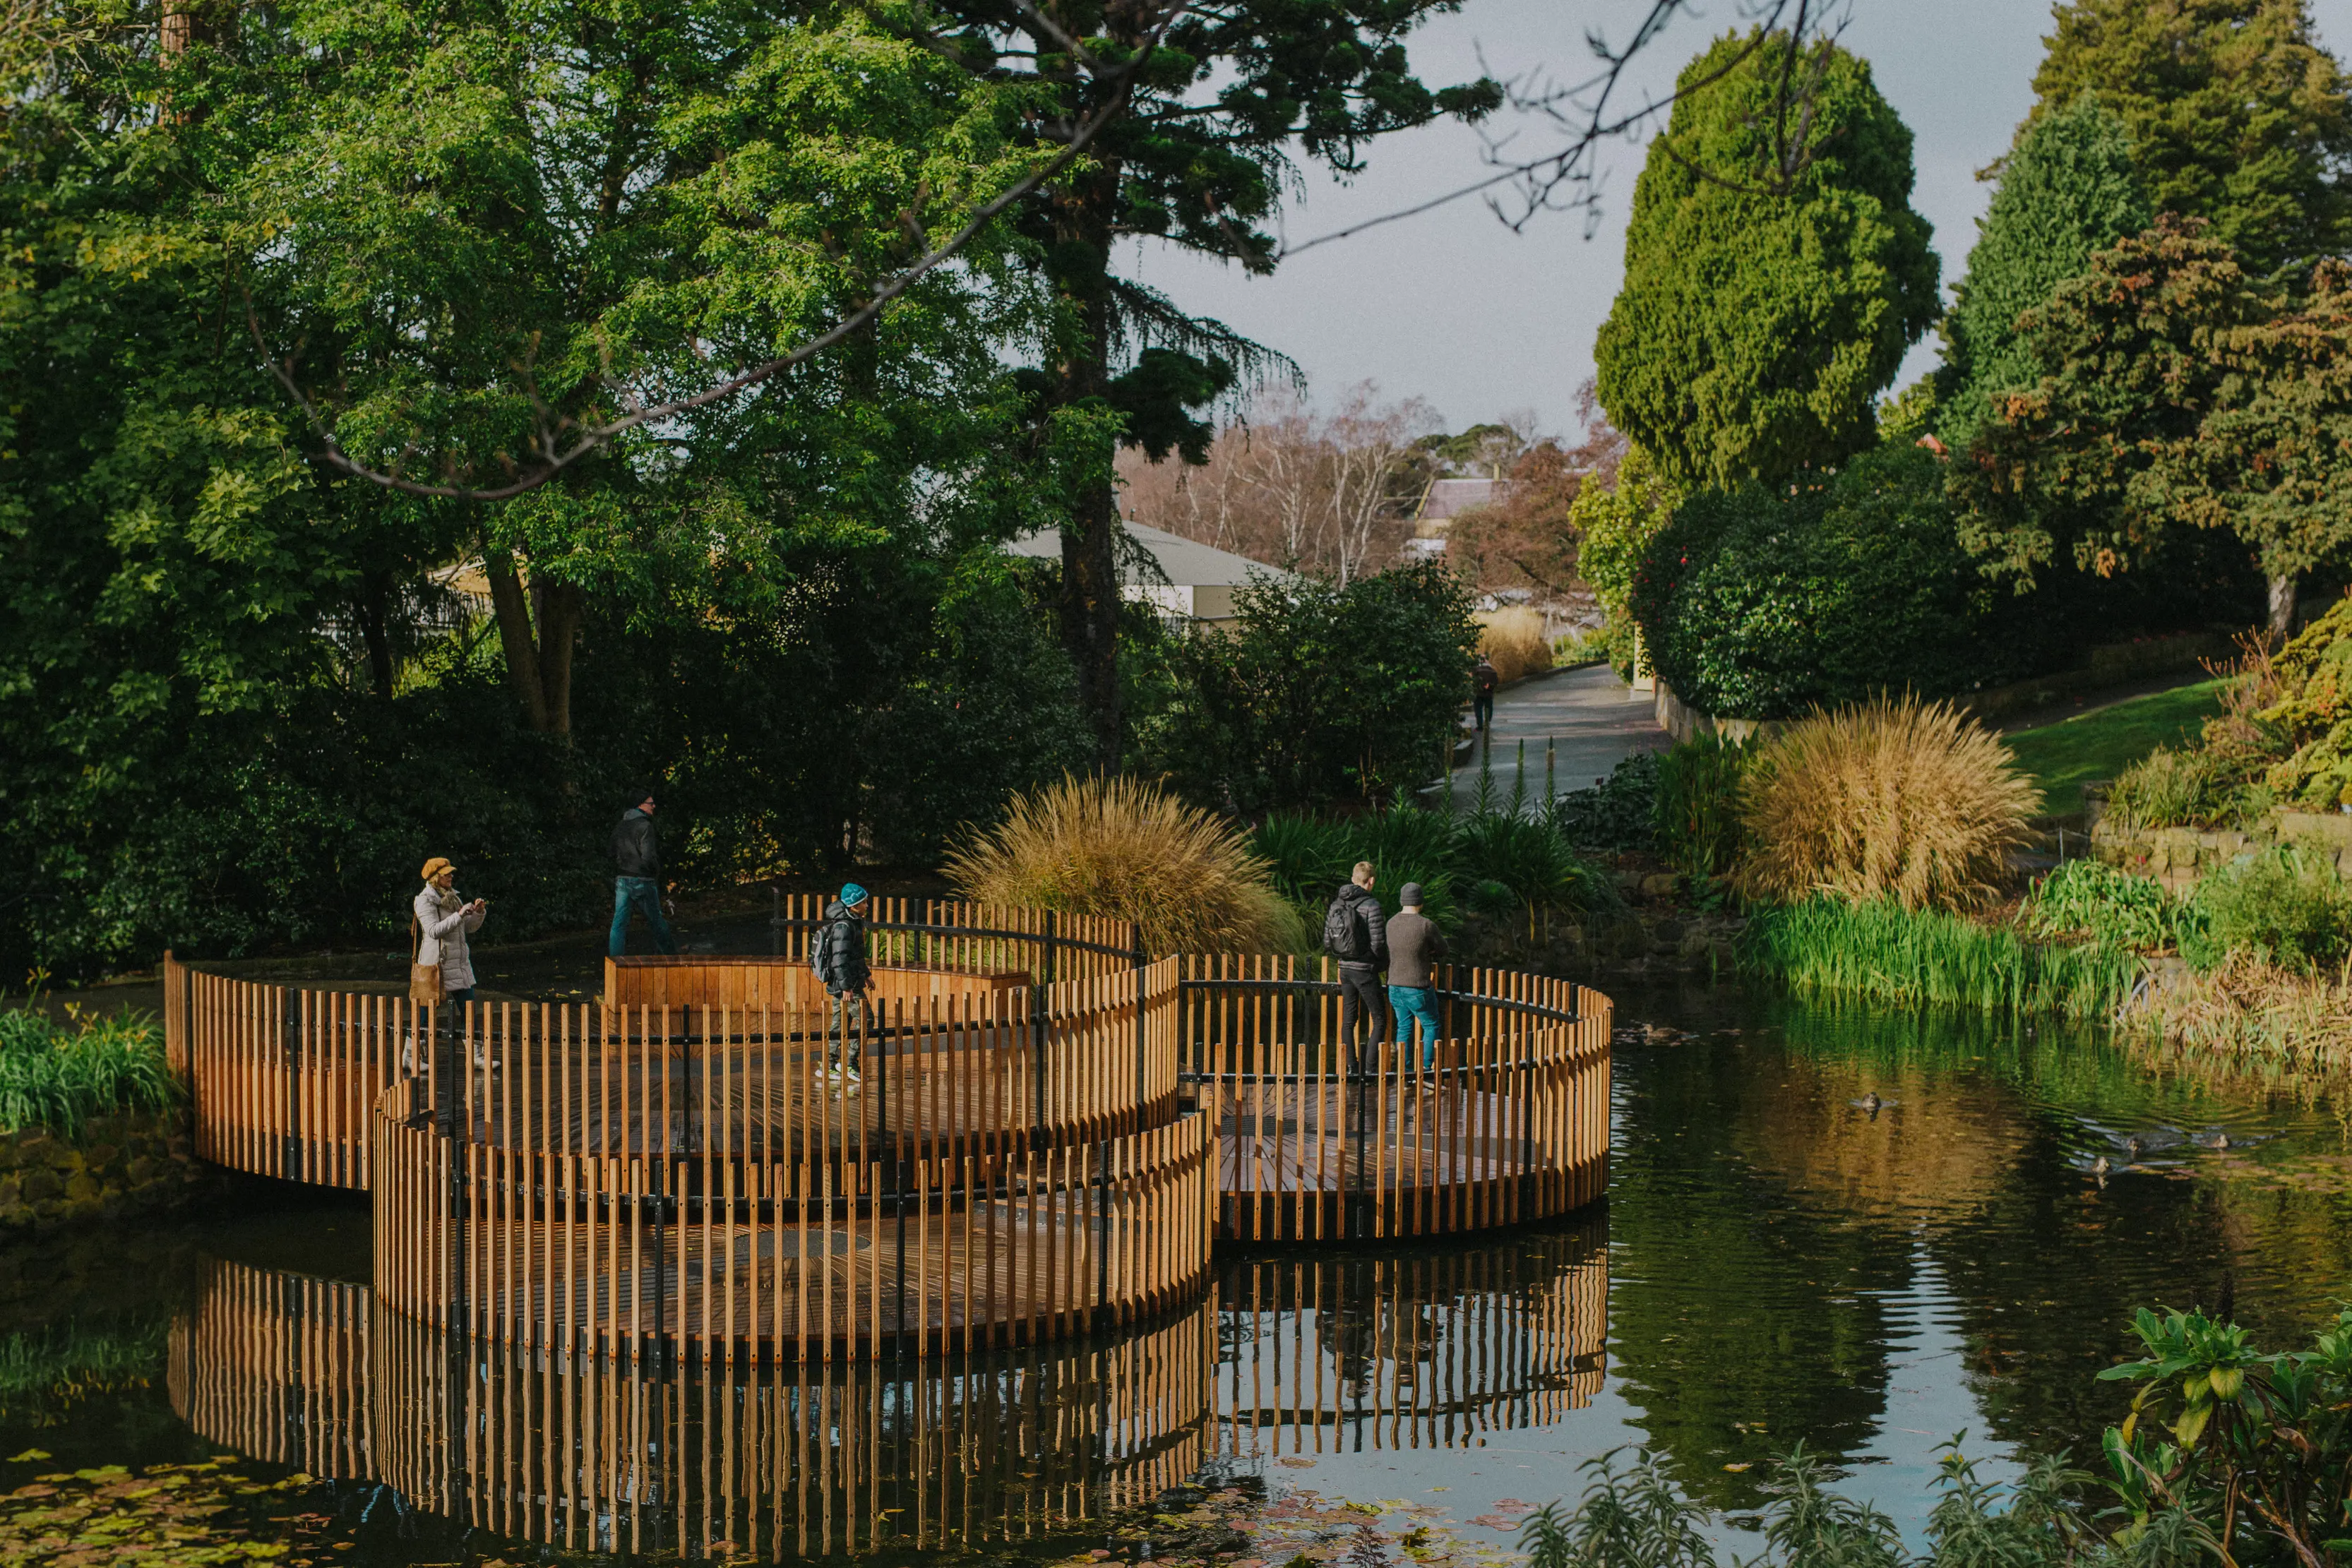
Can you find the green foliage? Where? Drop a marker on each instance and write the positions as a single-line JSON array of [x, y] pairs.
[[2255, 1448], [1756, 327], [1614, 524], [57, 1078], [2287, 905], [1697, 805], [1492, 860], [2236, 113], [2092, 901], [2067, 188], [237, 704], [2178, 391], [1618, 813], [1758, 604], [2169, 788], [1889, 954], [1315, 694]]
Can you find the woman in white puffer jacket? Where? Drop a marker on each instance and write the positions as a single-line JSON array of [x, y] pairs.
[[443, 920]]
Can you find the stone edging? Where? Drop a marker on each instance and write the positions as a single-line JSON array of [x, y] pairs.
[[128, 1163]]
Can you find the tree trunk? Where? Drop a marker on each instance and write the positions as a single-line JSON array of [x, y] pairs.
[[374, 609], [2282, 607], [538, 669], [1082, 218]]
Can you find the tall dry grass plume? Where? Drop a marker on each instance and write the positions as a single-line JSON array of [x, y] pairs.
[[1126, 848], [1889, 799], [1513, 641]]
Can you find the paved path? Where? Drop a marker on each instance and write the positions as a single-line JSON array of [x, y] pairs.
[[1592, 719]]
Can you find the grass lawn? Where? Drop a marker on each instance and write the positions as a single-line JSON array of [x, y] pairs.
[[2066, 755]]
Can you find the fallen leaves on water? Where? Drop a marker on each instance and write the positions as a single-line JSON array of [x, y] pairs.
[[186, 1516]]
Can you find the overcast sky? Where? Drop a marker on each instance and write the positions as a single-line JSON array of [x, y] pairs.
[[1452, 307]]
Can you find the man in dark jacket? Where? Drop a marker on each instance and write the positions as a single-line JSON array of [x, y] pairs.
[[1483, 679], [1356, 933], [1414, 947], [636, 879], [837, 954]]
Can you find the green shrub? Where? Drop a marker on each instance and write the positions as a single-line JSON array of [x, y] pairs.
[[2093, 900], [1888, 954], [1761, 603], [1697, 805], [2286, 906], [57, 1078], [1527, 859], [2169, 788], [1618, 813]]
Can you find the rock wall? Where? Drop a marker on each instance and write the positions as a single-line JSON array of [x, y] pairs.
[[122, 1165], [2176, 857]]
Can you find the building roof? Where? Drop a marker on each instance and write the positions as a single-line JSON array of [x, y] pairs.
[[1450, 497], [1187, 564]]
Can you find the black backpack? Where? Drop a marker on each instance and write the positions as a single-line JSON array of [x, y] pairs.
[[1343, 932]]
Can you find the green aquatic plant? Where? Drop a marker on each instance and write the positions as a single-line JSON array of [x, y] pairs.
[[2096, 902], [1888, 954], [56, 1077]]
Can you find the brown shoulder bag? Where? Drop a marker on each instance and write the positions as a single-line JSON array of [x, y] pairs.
[[423, 979]]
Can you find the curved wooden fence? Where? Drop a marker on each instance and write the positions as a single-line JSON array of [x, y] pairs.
[[1035, 1137], [692, 1456], [1503, 1119]]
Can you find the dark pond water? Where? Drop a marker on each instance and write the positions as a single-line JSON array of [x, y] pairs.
[[1778, 1260]]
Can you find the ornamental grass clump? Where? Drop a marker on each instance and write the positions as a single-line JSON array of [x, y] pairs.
[[57, 1078], [1513, 642], [1888, 800], [1123, 847]]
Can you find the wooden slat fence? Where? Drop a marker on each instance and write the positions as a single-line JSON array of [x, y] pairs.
[[701, 1459], [1502, 1120]]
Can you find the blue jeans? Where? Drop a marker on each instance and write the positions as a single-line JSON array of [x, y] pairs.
[[639, 893], [1411, 1002]]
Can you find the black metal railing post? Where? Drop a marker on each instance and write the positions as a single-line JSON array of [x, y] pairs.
[[1142, 959], [1040, 980]]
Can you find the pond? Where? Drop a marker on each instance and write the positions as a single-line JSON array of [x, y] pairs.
[[1865, 1230]]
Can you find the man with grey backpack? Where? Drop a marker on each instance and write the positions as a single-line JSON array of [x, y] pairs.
[[1355, 931]]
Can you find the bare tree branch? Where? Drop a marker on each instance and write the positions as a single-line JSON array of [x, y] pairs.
[[552, 454], [1567, 178]]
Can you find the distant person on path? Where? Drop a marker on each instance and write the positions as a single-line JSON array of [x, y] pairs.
[[442, 921], [1356, 933], [838, 957], [636, 881], [1414, 946], [1483, 679]]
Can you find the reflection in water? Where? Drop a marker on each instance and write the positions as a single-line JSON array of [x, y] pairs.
[[590, 1454], [1429, 1349], [1309, 1354], [1793, 1262]]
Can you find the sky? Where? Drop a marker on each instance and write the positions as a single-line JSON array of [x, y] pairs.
[[1454, 308]]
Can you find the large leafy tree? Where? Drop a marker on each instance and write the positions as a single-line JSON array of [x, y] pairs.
[[405, 204], [1775, 273], [2069, 188], [2236, 115], [2178, 392], [1195, 150]]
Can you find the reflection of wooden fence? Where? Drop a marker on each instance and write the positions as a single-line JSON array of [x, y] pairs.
[[591, 1454], [1504, 1119], [1340, 1354]]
